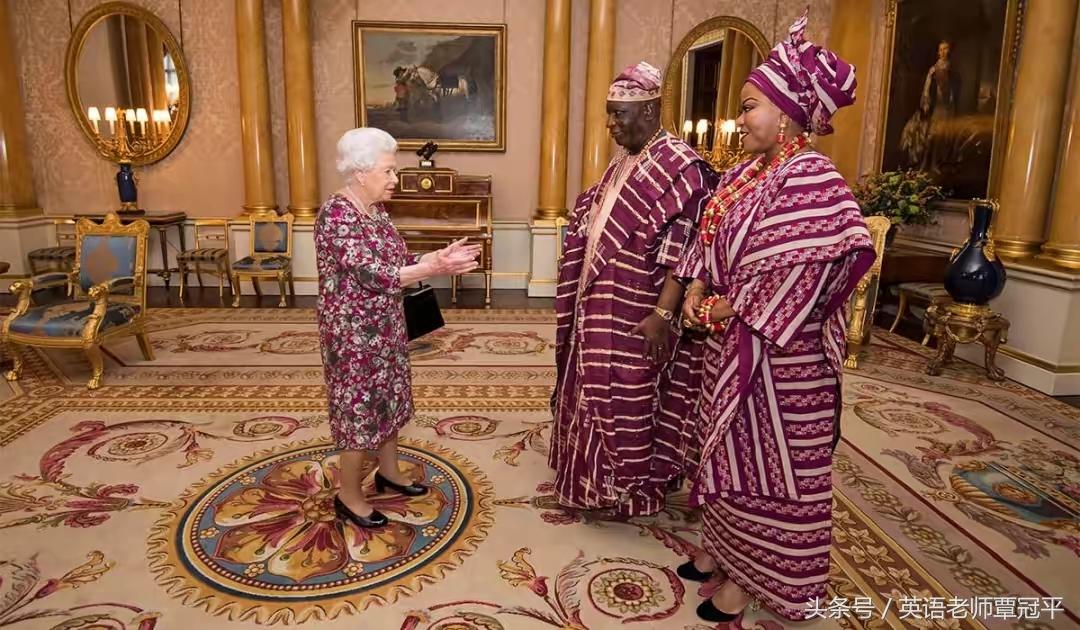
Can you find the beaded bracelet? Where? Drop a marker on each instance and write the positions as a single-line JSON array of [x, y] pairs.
[[704, 313]]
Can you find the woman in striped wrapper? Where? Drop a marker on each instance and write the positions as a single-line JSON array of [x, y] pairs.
[[781, 247]]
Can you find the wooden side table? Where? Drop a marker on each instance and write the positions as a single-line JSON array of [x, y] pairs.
[[955, 323]]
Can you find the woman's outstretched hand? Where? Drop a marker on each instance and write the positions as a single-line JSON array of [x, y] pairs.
[[456, 258]]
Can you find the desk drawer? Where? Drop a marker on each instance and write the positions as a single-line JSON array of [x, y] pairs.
[[423, 243]]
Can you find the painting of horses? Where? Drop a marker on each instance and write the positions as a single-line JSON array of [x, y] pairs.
[[432, 81]]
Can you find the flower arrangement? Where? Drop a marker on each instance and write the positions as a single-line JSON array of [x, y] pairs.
[[903, 196]]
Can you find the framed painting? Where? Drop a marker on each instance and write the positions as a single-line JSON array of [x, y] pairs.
[[432, 81], [948, 87]]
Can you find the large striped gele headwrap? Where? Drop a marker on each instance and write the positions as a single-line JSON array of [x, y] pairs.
[[807, 82]]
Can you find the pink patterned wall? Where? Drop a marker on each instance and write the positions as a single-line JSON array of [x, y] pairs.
[[204, 175]]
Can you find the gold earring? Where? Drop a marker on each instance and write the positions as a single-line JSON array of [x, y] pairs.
[[781, 136]]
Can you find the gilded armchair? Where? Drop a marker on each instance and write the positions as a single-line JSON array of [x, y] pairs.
[[271, 254], [109, 283], [860, 317]]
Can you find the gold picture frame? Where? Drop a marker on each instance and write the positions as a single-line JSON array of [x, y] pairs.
[[1003, 91], [432, 81]]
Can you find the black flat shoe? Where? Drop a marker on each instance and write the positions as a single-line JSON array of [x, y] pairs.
[[411, 490], [371, 521], [688, 571], [708, 612]]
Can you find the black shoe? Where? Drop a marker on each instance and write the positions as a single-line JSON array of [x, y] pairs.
[[708, 612], [411, 490], [688, 571], [371, 521]]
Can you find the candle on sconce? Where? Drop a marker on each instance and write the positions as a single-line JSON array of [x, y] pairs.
[[129, 116], [140, 115], [687, 129], [702, 129], [728, 128], [94, 116], [110, 116]]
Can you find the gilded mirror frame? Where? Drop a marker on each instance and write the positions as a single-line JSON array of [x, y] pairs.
[[673, 73], [71, 65]]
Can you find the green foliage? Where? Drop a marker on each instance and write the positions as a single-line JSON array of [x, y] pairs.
[[903, 196]]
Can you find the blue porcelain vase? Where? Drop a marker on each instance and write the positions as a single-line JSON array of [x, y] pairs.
[[125, 185], [975, 274]]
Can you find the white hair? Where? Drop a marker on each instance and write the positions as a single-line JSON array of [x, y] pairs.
[[359, 149]]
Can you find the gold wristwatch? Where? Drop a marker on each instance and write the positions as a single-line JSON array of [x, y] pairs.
[[664, 314]]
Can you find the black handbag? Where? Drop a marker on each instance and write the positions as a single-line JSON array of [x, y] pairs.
[[422, 313]]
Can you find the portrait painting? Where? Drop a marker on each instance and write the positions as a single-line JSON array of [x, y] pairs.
[[426, 81], [949, 77]]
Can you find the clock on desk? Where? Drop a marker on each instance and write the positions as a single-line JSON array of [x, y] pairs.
[[437, 206]]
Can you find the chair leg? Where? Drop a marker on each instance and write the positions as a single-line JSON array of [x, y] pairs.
[[258, 289], [181, 267], [225, 274], [236, 290], [292, 287], [144, 344], [97, 365], [900, 310], [281, 290], [198, 275], [16, 363]]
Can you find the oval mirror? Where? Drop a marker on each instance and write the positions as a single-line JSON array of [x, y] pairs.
[[127, 83], [703, 80]]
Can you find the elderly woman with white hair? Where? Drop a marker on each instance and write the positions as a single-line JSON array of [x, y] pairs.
[[363, 264]]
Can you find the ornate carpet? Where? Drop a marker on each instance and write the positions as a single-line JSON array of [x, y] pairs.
[[193, 491]]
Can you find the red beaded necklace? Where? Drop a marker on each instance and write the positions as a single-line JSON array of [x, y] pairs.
[[729, 195]]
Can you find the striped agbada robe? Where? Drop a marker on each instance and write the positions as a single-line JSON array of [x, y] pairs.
[[786, 256], [622, 421]]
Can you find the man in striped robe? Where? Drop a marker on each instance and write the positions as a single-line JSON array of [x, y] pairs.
[[625, 387]]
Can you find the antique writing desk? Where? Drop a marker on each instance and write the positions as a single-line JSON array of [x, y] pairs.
[[436, 206]]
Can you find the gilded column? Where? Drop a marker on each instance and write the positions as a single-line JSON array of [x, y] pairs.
[[155, 53], [254, 107], [1035, 127], [300, 108], [741, 58], [723, 83], [17, 197], [556, 111], [596, 145], [1063, 246], [850, 38]]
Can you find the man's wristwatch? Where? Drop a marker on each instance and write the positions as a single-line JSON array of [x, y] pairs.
[[664, 314]]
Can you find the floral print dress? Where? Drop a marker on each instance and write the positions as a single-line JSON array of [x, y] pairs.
[[362, 323]]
